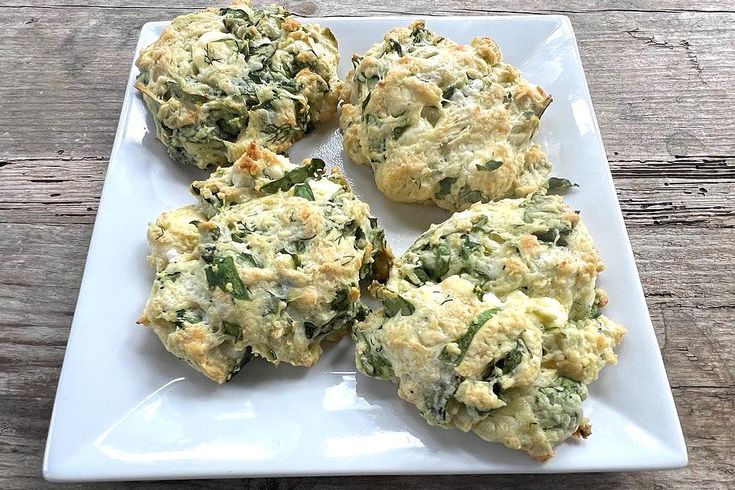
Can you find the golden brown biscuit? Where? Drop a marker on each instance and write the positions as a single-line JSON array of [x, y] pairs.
[[219, 79], [443, 122]]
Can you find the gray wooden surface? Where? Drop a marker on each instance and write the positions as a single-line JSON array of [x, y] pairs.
[[661, 76]]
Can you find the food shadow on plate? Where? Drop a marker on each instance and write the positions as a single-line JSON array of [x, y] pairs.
[[337, 353]]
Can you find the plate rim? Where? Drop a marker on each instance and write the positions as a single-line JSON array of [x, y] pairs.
[[678, 452]]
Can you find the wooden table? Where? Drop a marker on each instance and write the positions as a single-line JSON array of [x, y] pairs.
[[662, 83]]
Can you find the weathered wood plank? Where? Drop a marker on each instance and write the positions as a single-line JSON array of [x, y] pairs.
[[304, 7], [649, 75], [660, 76], [60, 190]]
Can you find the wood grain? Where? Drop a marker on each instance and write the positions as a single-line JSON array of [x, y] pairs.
[[81, 61], [660, 75], [332, 7]]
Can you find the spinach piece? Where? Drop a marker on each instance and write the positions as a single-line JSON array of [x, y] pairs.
[[595, 312], [394, 45], [555, 236], [448, 92], [280, 134], [468, 251], [481, 222], [187, 316], [313, 169], [350, 229], [246, 259], [467, 194], [237, 13], [549, 236], [360, 238], [341, 301], [466, 339], [445, 186], [299, 247], [398, 132], [369, 358], [396, 305], [419, 35], [224, 272], [376, 366], [556, 185], [439, 396], [303, 191], [341, 319], [293, 86], [294, 257], [366, 101], [559, 407], [233, 330], [421, 275], [437, 265], [442, 256], [230, 128], [508, 363], [490, 165], [175, 275], [247, 355], [566, 387], [310, 330]]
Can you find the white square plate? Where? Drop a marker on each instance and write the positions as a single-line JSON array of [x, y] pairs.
[[126, 409]]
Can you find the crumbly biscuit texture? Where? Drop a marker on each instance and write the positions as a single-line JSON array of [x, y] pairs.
[[491, 323], [268, 263], [443, 122], [219, 79]]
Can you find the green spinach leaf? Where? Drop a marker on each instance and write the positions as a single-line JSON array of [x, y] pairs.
[[556, 185], [232, 329], [304, 191], [396, 305], [445, 186], [466, 339], [398, 132], [508, 363], [313, 169], [223, 272], [490, 165]]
